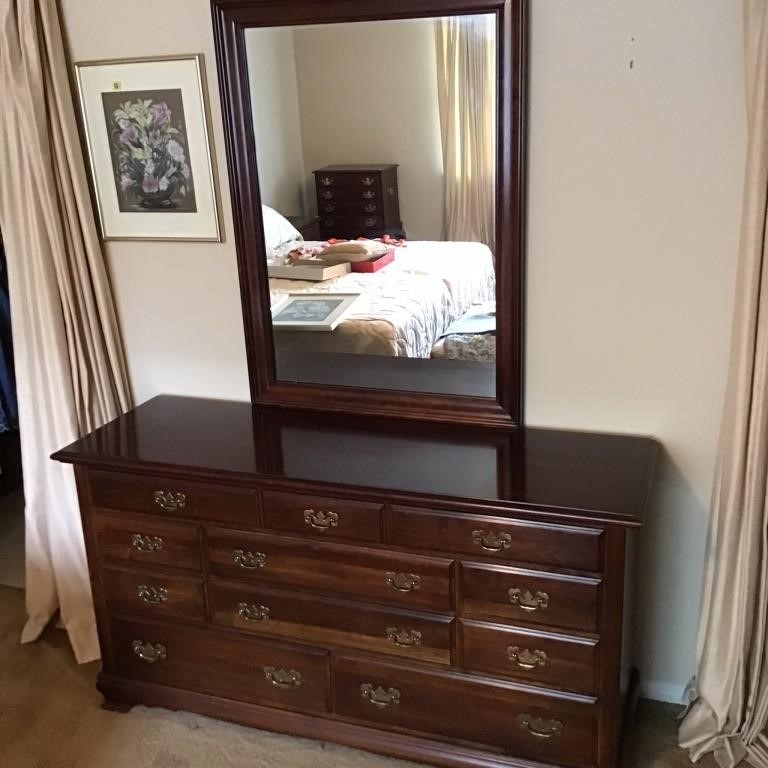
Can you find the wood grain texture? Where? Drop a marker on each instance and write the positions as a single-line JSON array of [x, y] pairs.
[[335, 623], [334, 569]]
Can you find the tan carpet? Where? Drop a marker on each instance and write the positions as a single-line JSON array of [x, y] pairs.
[[50, 718]]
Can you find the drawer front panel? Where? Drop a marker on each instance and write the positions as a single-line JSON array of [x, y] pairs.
[[157, 595], [513, 594], [534, 657], [146, 541], [320, 517], [549, 545], [526, 724], [324, 621], [172, 497], [330, 180], [357, 207], [244, 669], [376, 575], [363, 194], [359, 224]]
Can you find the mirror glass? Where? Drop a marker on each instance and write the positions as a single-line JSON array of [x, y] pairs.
[[376, 151]]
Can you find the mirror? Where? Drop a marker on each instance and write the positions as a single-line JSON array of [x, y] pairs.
[[377, 174]]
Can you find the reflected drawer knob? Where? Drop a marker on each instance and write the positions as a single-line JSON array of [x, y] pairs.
[[146, 544], [249, 560], [380, 697], [527, 600], [252, 613], [149, 652], [369, 194], [329, 208], [370, 221], [152, 595], [368, 181], [326, 181], [526, 659], [170, 501], [369, 207], [540, 727], [320, 520], [327, 194], [403, 582], [492, 542], [404, 638], [286, 679]]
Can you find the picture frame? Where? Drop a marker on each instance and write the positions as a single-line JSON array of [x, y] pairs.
[[312, 311], [147, 133]]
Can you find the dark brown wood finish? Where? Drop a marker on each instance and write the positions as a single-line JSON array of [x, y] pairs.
[[257, 615], [231, 18]]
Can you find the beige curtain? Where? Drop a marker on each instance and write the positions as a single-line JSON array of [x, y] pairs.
[[466, 89], [730, 709], [70, 368]]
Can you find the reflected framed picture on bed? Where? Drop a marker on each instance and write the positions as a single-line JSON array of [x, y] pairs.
[[312, 311]]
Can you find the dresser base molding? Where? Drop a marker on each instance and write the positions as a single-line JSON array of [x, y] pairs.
[[121, 694]]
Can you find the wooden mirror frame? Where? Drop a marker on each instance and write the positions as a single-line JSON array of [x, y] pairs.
[[231, 18]]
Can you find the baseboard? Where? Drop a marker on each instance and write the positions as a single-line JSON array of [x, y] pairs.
[[660, 691]]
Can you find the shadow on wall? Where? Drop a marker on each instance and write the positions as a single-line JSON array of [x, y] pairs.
[[670, 570]]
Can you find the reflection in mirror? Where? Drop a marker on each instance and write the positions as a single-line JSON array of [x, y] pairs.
[[376, 150]]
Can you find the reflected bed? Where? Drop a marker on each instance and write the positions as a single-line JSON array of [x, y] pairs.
[[405, 307]]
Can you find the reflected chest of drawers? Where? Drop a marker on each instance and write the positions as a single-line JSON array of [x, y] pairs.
[[476, 624], [357, 201]]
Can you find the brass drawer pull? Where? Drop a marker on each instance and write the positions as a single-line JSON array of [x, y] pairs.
[[368, 181], [149, 652], [527, 600], [539, 727], [369, 194], [252, 613], [320, 520], [403, 582], [329, 208], [379, 697], [326, 181], [327, 194], [493, 542], [249, 560], [286, 679], [404, 638], [146, 543], [152, 595], [170, 501], [370, 221], [369, 207], [526, 659]]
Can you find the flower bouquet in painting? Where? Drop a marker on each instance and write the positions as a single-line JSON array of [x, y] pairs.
[[148, 145]]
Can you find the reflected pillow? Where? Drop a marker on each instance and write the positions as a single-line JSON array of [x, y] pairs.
[[277, 230]]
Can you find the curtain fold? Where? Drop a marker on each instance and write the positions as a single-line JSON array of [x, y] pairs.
[[70, 367], [730, 709], [466, 90]]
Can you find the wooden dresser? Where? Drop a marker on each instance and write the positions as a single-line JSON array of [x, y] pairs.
[[357, 201], [445, 595]]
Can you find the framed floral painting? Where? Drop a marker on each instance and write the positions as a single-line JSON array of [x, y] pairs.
[[147, 132]]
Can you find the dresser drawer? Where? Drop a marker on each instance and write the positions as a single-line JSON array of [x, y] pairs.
[[158, 595], [359, 224], [550, 545], [538, 726], [409, 580], [243, 669], [325, 621], [362, 194], [540, 658], [146, 541], [533, 597], [322, 517], [362, 180], [357, 207], [172, 497]]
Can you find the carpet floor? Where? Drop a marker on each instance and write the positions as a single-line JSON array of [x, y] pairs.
[[50, 717]]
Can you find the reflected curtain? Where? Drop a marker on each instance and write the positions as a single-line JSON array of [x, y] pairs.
[[70, 368], [730, 708], [466, 89]]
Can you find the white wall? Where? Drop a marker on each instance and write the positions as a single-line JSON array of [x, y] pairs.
[[635, 194], [368, 94], [276, 118], [637, 152]]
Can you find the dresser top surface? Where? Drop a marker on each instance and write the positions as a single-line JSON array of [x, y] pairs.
[[572, 473], [360, 168]]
